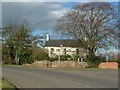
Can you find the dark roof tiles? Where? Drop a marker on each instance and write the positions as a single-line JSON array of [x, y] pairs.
[[64, 42]]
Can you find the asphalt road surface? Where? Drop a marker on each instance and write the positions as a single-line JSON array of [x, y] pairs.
[[24, 77]]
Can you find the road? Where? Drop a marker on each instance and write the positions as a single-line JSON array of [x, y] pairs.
[[26, 77]]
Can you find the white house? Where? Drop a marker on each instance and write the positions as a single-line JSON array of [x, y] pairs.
[[63, 46]]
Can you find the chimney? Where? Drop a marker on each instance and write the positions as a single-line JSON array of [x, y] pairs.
[[48, 37]]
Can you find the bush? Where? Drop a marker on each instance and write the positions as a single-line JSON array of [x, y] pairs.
[[40, 54], [25, 57], [65, 57], [75, 57], [93, 61], [53, 58], [62, 57]]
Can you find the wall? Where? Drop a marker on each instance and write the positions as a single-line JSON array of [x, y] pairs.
[[109, 65], [62, 64]]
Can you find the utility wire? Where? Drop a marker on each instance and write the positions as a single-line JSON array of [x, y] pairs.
[[42, 22]]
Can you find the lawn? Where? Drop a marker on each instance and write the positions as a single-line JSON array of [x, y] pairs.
[[6, 85]]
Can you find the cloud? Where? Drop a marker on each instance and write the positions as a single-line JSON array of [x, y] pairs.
[[39, 15]]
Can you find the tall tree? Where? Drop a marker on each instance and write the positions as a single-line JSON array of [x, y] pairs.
[[8, 34], [93, 24], [23, 43], [20, 46], [16, 39], [36, 44]]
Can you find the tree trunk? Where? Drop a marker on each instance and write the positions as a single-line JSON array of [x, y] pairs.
[[91, 51]]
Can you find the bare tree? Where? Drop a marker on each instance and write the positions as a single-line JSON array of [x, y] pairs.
[[93, 24]]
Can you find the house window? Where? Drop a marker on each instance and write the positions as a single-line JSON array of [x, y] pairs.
[[57, 49], [64, 51], [77, 51], [69, 50], [52, 50]]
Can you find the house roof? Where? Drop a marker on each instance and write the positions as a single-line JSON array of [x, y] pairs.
[[64, 42]]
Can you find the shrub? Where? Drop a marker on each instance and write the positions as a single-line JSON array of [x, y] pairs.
[[39, 54], [65, 57], [75, 57], [25, 56], [62, 57], [93, 61], [53, 58]]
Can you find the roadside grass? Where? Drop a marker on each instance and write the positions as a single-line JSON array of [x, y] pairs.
[[59, 68], [78, 69], [0, 83], [11, 65], [6, 85]]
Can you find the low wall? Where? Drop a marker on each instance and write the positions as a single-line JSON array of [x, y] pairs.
[[43, 63], [109, 65], [62, 64], [81, 64]]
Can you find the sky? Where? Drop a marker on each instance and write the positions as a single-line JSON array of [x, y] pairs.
[[0, 14], [40, 15], [59, 0]]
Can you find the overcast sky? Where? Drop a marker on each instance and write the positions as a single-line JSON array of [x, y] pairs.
[[41, 16]]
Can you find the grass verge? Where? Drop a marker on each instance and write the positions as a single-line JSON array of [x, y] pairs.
[[79, 69], [6, 85], [60, 68]]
